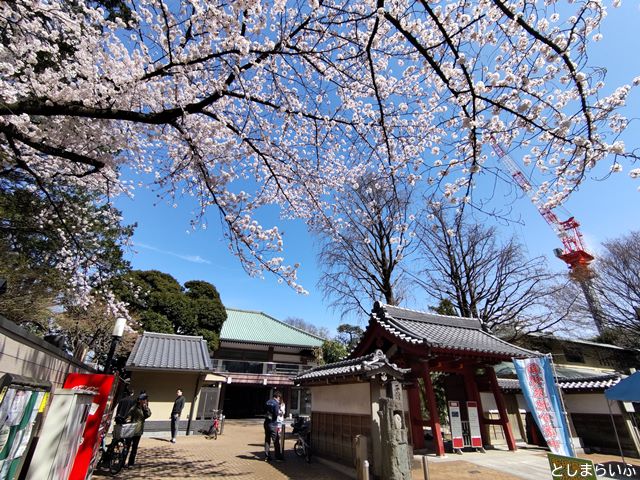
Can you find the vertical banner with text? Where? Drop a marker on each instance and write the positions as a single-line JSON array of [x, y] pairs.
[[541, 393]]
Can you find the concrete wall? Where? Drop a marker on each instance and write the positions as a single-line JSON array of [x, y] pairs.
[[351, 398], [576, 403], [23, 353], [589, 403], [161, 388]]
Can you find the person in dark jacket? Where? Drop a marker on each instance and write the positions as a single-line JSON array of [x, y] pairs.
[[138, 414], [127, 401], [271, 427], [176, 411]]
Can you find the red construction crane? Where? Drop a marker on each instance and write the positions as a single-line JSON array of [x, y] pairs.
[[573, 252]]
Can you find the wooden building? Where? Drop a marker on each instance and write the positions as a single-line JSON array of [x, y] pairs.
[[428, 344], [345, 400], [259, 354]]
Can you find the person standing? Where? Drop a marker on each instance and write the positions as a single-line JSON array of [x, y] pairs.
[[138, 414], [124, 405], [271, 427], [176, 411], [126, 402]]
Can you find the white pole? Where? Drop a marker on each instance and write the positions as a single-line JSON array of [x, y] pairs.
[[615, 430], [365, 470]]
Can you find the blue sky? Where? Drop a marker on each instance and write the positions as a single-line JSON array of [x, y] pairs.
[[605, 208]]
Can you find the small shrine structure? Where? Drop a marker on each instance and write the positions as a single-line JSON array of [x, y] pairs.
[[346, 400], [426, 343]]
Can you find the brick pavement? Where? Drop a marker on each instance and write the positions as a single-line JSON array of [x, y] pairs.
[[238, 453]]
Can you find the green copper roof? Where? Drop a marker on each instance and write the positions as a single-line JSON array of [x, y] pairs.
[[258, 327]]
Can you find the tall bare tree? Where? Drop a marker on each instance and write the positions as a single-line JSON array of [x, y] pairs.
[[483, 277], [361, 252], [618, 282]]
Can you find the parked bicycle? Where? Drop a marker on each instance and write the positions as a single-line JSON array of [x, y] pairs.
[[113, 455], [216, 426], [302, 447]]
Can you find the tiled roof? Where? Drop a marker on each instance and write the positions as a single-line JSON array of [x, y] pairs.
[[162, 351], [546, 336], [367, 365], [442, 331], [563, 372], [599, 382], [257, 327]]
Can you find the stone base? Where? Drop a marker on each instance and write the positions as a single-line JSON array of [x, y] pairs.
[[164, 426]]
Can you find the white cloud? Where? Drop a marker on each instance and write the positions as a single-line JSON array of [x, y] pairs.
[[188, 258]]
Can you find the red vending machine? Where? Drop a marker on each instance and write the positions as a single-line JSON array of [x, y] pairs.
[[104, 387]]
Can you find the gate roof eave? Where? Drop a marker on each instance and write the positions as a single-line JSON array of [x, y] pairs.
[[428, 336]]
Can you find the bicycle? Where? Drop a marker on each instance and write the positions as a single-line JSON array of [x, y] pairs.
[[114, 455], [214, 429], [302, 447]]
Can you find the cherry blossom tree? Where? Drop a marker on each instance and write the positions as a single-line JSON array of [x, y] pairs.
[[55, 238], [247, 105]]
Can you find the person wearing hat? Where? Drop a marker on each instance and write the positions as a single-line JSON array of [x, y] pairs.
[[138, 414]]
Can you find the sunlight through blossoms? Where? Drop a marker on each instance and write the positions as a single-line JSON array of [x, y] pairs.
[[245, 105]]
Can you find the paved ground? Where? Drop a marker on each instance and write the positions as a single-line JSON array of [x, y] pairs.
[[238, 454], [528, 463]]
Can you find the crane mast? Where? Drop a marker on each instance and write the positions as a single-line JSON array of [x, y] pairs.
[[573, 252]]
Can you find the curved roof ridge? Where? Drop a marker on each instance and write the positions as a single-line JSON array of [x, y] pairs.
[[603, 376], [257, 312], [442, 331], [161, 334], [413, 310], [368, 365], [427, 317], [347, 361], [390, 324]]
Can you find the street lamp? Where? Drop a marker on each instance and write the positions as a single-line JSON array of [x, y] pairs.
[[116, 336]]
